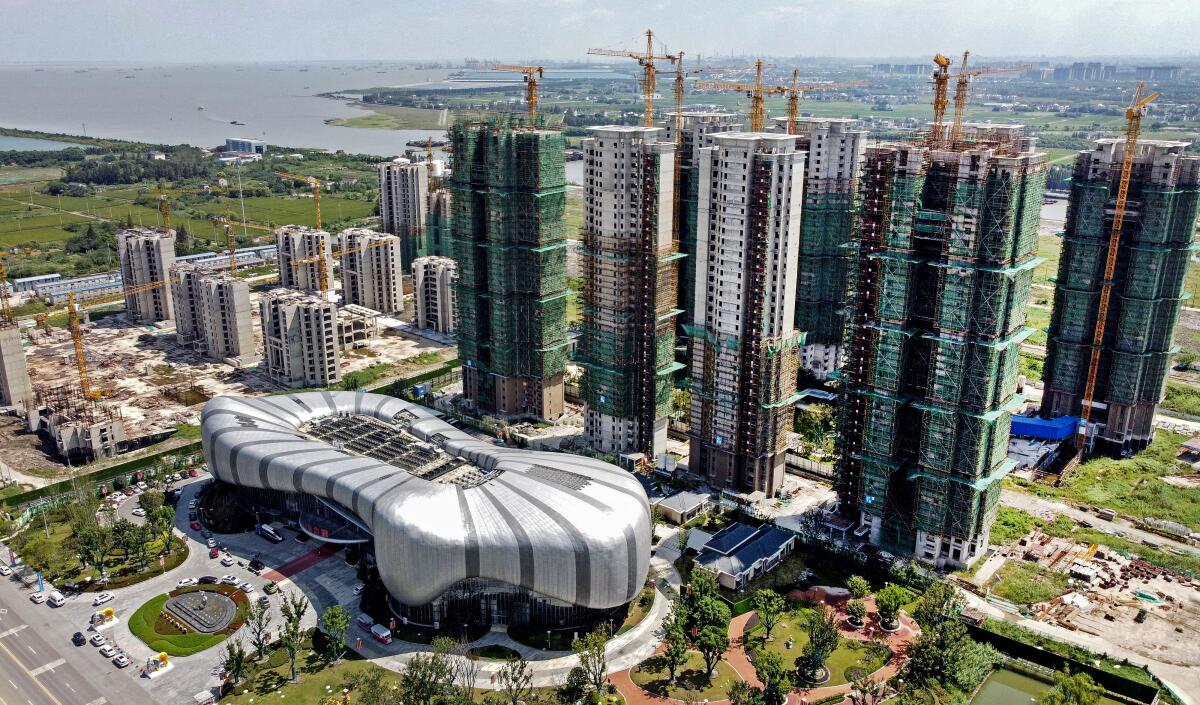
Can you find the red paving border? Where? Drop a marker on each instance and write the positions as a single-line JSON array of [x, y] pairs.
[[737, 659], [301, 563]]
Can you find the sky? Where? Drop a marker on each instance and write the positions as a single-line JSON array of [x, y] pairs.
[[160, 31]]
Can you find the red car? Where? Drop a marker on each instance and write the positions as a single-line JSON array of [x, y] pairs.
[[196, 526], [214, 552]]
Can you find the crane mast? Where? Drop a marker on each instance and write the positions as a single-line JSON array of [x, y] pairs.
[[312, 181], [646, 60], [1133, 128], [532, 75]]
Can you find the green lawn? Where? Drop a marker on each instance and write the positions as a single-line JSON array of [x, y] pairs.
[[393, 117], [148, 624], [850, 654], [652, 676], [1049, 248], [1038, 318], [573, 215], [289, 210], [1024, 583], [1131, 486]]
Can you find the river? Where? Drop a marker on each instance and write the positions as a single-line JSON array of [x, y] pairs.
[[162, 103]]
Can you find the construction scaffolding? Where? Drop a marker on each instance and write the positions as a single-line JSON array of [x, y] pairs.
[[1151, 264], [943, 264], [507, 200]]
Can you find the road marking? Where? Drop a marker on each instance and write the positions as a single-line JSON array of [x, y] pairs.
[[14, 685], [14, 630], [31, 649], [98, 701], [48, 667], [69, 686]]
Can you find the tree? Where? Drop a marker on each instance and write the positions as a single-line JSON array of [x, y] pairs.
[[1078, 689], [335, 623], [941, 600], [769, 668], [515, 679], [857, 611], [768, 605], [947, 654], [711, 611], [823, 638], [141, 537], [712, 641], [676, 640], [702, 584], [151, 501], [259, 622], [93, 544], [426, 679], [162, 522], [125, 535], [235, 660], [294, 607], [865, 690], [858, 587], [681, 540], [370, 689], [590, 650], [742, 693], [889, 600]]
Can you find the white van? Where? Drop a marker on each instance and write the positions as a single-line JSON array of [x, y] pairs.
[[381, 633], [56, 599]]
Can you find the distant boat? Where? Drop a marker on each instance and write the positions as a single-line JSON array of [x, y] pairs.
[[199, 107], [235, 122]]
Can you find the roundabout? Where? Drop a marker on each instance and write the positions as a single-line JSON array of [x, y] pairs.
[[191, 619]]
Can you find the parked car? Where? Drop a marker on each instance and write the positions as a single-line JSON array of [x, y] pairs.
[[256, 566], [120, 660], [212, 543], [271, 588], [56, 599], [229, 580], [37, 598], [78, 639], [103, 597], [192, 516], [213, 552], [129, 491], [227, 561], [209, 580], [196, 526], [5, 570], [98, 640], [192, 504], [247, 587], [358, 589], [143, 486], [186, 582], [139, 512], [108, 651], [264, 600]]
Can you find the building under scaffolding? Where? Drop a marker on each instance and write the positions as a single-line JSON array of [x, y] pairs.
[[831, 176], [743, 338], [508, 196], [79, 428], [946, 245], [437, 226], [629, 298], [1156, 243]]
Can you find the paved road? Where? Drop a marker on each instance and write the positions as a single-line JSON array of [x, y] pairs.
[[40, 666]]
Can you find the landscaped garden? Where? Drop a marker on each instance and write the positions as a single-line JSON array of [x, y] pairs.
[[162, 631], [691, 679], [790, 635]]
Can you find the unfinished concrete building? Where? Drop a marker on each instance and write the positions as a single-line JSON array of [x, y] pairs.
[[744, 341], [509, 196], [696, 133], [831, 175], [630, 269], [298, 250], [356, 326], [433, 289], [146, 258], [1152, 260], [213, 313], [79, 428], [300, 339], [15, 388], [403, 205], [371, 273], [945, 253]]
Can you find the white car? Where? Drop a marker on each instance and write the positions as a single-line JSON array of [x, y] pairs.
[[108, 651], [247, 587], [192, 504], [139, 512], [5, 570], [143, 486], [120, 660], [98, 640], [358, 589], [37, 598], [103, 597], [230, 580], [186, 582], [227, 561]]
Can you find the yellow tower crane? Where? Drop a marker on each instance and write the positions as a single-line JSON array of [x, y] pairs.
[[232, 247], [646, 60], [6, 315], [758, 92], [963, 87], [941, 86], [164, 206], [795, 91], [323, 267], [313, 182], [532, 75], [1133, 127]]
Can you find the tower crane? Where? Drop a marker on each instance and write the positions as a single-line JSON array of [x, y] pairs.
[[962, 88], [230, 245], [164, 206], [312, 181], [6, 315], [757, 92], [1133, 127], [795, 91], [323, 267], [646, 60], [941, 85], [532, 75]]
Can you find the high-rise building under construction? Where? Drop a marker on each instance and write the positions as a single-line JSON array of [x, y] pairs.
[[744, 345], [1152, 259], [403, 205], [946, 245], [146, 259], [299, 253], [508, 197], [831, 175], [629, 297]]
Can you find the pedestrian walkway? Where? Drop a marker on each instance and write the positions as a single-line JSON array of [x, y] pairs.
[[301, 563]]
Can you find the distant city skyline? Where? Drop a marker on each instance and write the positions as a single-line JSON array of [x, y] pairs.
[[49, 31]]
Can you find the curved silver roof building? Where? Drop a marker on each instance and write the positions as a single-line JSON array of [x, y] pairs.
[[442, 505]]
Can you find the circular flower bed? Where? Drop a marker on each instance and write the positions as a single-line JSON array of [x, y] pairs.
[[162, 632]]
